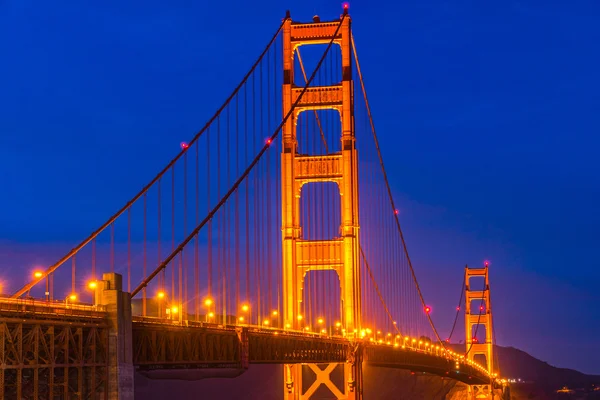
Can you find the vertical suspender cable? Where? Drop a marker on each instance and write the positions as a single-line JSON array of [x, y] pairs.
[[128, 252], [145, 254], [173, 230], [185, 273]]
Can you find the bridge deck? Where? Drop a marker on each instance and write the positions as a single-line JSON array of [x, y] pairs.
[[160, 344]]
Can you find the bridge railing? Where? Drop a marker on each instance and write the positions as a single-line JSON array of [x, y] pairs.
[[51, 307]]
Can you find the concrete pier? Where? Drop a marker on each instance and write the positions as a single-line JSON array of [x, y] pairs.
[[109, 293]]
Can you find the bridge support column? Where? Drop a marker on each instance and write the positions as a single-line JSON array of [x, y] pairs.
[[299, 385], [109, 293], [343, 381]]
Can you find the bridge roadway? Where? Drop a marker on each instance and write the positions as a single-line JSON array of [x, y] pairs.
[[167, 344], [54, 346]]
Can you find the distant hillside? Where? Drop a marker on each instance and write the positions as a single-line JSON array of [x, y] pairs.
[[515, 363]]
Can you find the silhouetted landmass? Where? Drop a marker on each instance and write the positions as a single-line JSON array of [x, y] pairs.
[[539, 381]]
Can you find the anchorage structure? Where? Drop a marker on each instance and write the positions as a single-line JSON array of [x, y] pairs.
[[480, 317], [338, 254]]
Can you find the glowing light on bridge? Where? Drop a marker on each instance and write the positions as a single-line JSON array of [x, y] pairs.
[[184, 145], [160, 295], [208, 302], [427, 309], [38, 274], [92, 285]]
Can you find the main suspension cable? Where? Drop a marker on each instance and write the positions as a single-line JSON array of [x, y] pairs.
[[91, 237], [246, 172], [389, 190], [458, 308]]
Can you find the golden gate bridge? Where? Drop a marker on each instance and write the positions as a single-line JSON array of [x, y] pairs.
[[272, 237]]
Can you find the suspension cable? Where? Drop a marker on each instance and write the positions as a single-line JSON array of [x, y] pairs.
[[246, 172], [76, 249], [458, 308], [389, 190], [387, 311]]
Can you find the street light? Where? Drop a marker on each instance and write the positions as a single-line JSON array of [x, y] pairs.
[[207, 303], [161, 296], [72, 297], [246, 309], [92, 285]]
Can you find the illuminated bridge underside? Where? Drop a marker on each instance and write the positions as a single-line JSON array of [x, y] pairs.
[[158, 346]]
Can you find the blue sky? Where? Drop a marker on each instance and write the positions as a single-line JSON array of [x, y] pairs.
[[488, 112]]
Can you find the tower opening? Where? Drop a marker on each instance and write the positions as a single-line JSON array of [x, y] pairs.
[[320, 213], [319, 132], [321, 302], [306, 59]]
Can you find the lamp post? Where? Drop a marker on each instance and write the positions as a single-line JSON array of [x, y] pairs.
[[92, 285], [209, 314], [246, 310], [161, 297], [72, 297]]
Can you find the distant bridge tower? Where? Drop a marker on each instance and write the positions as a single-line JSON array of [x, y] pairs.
[[338, 254], [475, 319]]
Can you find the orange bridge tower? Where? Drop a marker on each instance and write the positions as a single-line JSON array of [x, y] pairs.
[[478, 317], [339, 254]]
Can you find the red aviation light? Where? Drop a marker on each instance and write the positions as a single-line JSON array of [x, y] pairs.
[[346, 5], [396, 212], [184, 145], [268, 141], [427, 309]]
